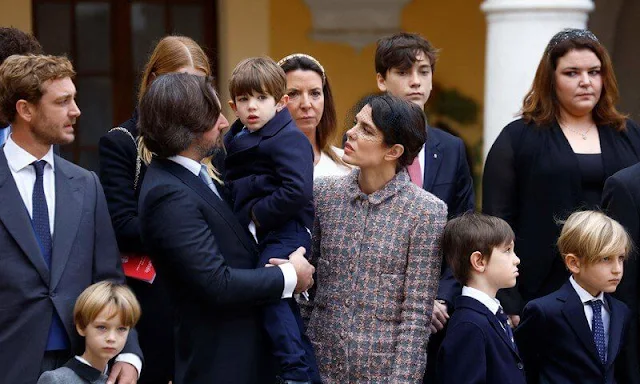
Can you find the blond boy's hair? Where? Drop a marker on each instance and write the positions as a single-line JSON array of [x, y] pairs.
[[592, 236], [100, 295], [259, 74]]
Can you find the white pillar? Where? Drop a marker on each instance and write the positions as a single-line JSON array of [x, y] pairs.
[[517, 33]]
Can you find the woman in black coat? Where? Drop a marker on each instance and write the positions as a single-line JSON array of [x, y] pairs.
[[122, 168], [555, 159]]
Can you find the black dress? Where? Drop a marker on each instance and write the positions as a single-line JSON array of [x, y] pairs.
[[532, 178], [118, 153]]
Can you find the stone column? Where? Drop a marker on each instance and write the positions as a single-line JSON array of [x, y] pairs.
[[517, 33]]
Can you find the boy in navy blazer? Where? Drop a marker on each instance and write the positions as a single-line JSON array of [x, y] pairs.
[[478, 346], [576, 333], [269, 172]]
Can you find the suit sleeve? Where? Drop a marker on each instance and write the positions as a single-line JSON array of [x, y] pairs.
[[292, 158], [117, 174], [529, 337], [463, 357], [499, 198], [106, 263], [465, 195], [420, 287], [619, 203], [174, 229]]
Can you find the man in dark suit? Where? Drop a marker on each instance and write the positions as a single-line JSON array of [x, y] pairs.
[[405, 63], [206, 257], [55, 232], [621, 201]]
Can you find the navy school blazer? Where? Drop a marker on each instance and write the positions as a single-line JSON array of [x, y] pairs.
[[476, 348], [269, 173], [557, 345]]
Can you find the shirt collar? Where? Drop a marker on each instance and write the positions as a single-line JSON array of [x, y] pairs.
[[89, 372], [18, 158], [583, 294], [400, 181], [191, 165], [491, 303]]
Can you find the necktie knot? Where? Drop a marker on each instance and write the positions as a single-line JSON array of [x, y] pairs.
[[39, 167], [596, 305]]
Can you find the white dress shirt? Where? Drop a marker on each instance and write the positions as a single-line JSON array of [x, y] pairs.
[[491, 303], [24, 174], [585, 297], [288, 271]]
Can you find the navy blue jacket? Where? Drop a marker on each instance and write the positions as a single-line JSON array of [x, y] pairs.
[[476, 348], [557, 345], [269, 173]]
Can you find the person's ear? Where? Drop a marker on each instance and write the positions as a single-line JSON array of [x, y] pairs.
[[382, 84], [394, 152], [282, 103], [233, 106], [478, 262], [25, 110], [81, 331], [572, 262]]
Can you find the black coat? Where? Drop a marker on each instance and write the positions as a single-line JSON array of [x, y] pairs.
[[621, 201], [531, 179], [208, 260]]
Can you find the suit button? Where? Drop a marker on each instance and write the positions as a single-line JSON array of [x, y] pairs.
[[347, 303], [343, 335], [520, 366]]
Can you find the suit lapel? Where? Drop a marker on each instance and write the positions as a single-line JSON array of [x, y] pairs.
[[573, 311], [69, 202], [207, 195], [432, 160], [616, 323], [15, 217]]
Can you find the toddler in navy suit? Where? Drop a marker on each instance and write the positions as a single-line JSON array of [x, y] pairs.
[[576, 333], [478, 346], [269, 172], [104, 313]]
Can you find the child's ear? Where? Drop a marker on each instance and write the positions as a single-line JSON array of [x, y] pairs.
[[233, 106], [282, 103], [80, 331], [382, 84], [572, 262], [478, 262], [394, 152]]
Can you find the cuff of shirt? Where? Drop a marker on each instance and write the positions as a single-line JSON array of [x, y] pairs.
[[290, 280], [131, 359]]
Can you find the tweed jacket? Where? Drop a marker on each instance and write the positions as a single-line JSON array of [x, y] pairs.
[[378, 264]]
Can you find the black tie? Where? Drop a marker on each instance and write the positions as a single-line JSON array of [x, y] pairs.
[[40, 217]]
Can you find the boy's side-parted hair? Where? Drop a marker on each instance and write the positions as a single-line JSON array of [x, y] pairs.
[[592, 236], [100, 295], [22, 78], [400, 50], [258, 74], [469, 233]]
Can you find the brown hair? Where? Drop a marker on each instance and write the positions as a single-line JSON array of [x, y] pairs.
[[592, 235], [22, 78], [469, 233], [101, 295], [15, 42], [177, 108], [170, 54], [541, 103], [257, 74], [400, 51], [327, 127]]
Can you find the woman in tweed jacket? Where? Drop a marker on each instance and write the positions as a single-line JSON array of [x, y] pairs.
[[375, 248]]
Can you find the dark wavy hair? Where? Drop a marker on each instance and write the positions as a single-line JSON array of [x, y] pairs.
[[176, 109], [541, 102]]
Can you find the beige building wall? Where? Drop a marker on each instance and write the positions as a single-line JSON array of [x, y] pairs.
[[16, 13]]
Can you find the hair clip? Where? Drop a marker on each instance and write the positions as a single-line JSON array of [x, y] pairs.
[[308, 57]]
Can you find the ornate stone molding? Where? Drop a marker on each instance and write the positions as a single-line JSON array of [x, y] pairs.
[[355, 22]]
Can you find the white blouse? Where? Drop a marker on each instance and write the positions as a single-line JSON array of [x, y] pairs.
[[327, 167]]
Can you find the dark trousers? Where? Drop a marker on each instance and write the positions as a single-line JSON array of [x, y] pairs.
[[54, 360], [282, 320]]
